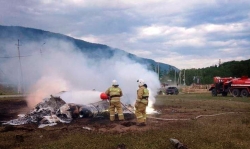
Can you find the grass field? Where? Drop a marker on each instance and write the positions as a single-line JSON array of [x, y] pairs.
[[229, 130]]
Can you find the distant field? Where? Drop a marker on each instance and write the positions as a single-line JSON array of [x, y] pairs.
[[224, 123], [7, 90]]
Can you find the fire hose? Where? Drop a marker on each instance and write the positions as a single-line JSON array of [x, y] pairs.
[[197, 117], [127, 108], [104, 96]]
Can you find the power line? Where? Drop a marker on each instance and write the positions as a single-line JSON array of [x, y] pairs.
[[4, 75], [16, 56], [20, 80], [1, 71], [41, 52]]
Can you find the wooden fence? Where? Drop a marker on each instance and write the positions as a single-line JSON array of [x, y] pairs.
[[194, 88]]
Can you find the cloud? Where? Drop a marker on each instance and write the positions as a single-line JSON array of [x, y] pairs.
[[142, 53], [162, 27], [220, 12], [91, 38]]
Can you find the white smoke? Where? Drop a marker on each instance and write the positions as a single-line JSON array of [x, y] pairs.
[[61, 67]]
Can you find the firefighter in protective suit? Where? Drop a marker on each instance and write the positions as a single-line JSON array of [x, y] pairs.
[[141, 103], [114, 93]]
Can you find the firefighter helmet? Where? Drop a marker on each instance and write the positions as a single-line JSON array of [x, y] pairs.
[[140, 82], [114, 82]]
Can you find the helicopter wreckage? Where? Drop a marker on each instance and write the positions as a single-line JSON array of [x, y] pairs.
[[54, 109]]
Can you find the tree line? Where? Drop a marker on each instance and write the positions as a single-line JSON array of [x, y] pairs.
[[204, 75]]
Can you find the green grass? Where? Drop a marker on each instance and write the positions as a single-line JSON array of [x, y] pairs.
[[229, 131], [4, 90]]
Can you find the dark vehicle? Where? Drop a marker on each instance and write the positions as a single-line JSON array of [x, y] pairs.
[[172, 90]]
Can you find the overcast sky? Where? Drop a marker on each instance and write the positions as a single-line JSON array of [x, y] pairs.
[[185, 34]]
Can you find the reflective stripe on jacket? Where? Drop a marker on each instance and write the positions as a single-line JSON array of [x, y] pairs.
[[145, 93], [142, 95], [114, 91]]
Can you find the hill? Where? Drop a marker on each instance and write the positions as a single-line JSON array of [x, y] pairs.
[[10, 34]]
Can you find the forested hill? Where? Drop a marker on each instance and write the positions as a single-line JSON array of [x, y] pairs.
[[227, 69], [10, 34]]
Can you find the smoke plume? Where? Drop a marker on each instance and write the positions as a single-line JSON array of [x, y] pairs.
[[59, 66]]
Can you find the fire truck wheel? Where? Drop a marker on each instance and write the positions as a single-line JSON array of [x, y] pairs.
[[236, 92], [214, 93], [244, 93]]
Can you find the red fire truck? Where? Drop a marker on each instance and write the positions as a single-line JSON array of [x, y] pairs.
[[236, 86]]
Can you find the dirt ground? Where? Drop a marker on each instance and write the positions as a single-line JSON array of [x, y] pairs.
[[214, 122], [11, 108]]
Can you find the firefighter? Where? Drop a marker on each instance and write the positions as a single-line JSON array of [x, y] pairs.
[[141, 103], [114, 93]]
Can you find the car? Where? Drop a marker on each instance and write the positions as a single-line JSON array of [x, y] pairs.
[[172, 90]]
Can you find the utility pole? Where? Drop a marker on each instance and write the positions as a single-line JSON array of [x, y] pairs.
[[180, 78], [158, 71], [20, 74], [184, 78], [175, 76], [41, 52]]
